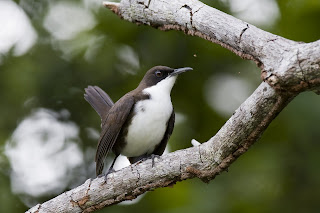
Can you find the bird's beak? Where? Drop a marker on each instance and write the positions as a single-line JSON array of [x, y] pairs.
[[180, 70]]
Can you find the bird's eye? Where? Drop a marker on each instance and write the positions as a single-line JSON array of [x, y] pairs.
[[158, 73]]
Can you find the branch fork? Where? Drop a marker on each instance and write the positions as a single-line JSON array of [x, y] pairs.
[[287, 69]]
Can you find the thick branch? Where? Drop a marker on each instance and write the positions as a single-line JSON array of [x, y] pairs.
[[275, 55], [204, 161], [288, 68]]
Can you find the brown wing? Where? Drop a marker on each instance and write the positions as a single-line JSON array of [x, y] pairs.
[[162, 146], [111, 128], [99, 100]]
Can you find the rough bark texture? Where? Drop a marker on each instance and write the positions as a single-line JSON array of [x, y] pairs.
[[288, 68]]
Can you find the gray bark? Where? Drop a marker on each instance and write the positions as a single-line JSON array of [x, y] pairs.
[[288, 68]]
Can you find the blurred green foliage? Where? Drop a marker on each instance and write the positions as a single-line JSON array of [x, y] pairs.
[[280, 173]]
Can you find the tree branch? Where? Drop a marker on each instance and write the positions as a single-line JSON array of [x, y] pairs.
[[275, 55], [288, 68], [204, 161]]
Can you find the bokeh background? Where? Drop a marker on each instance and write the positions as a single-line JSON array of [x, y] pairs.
[[51, 50]]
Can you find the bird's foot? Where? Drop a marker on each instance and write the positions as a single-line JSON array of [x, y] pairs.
[[141, 159], [111, 170], [153, 156]]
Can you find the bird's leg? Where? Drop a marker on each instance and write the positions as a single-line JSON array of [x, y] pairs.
[[142, 158], [110, 170], [153, 156]]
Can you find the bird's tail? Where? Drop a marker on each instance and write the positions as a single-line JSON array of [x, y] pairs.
[[99, 100]]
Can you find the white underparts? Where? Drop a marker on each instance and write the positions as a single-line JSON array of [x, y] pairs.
[[149, 124]]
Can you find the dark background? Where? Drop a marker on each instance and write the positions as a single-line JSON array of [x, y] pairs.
[[48, 132]]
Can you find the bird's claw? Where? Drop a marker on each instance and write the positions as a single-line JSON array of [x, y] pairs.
[[153, 156], [111, 170]]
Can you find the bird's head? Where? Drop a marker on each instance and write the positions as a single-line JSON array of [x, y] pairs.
[[162, 74]]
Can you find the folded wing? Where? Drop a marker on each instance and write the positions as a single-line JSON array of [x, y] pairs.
[[112, 126]]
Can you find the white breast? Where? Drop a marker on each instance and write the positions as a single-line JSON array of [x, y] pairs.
[[149, 124]]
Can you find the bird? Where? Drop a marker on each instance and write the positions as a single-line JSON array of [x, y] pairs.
[[140, 123]]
